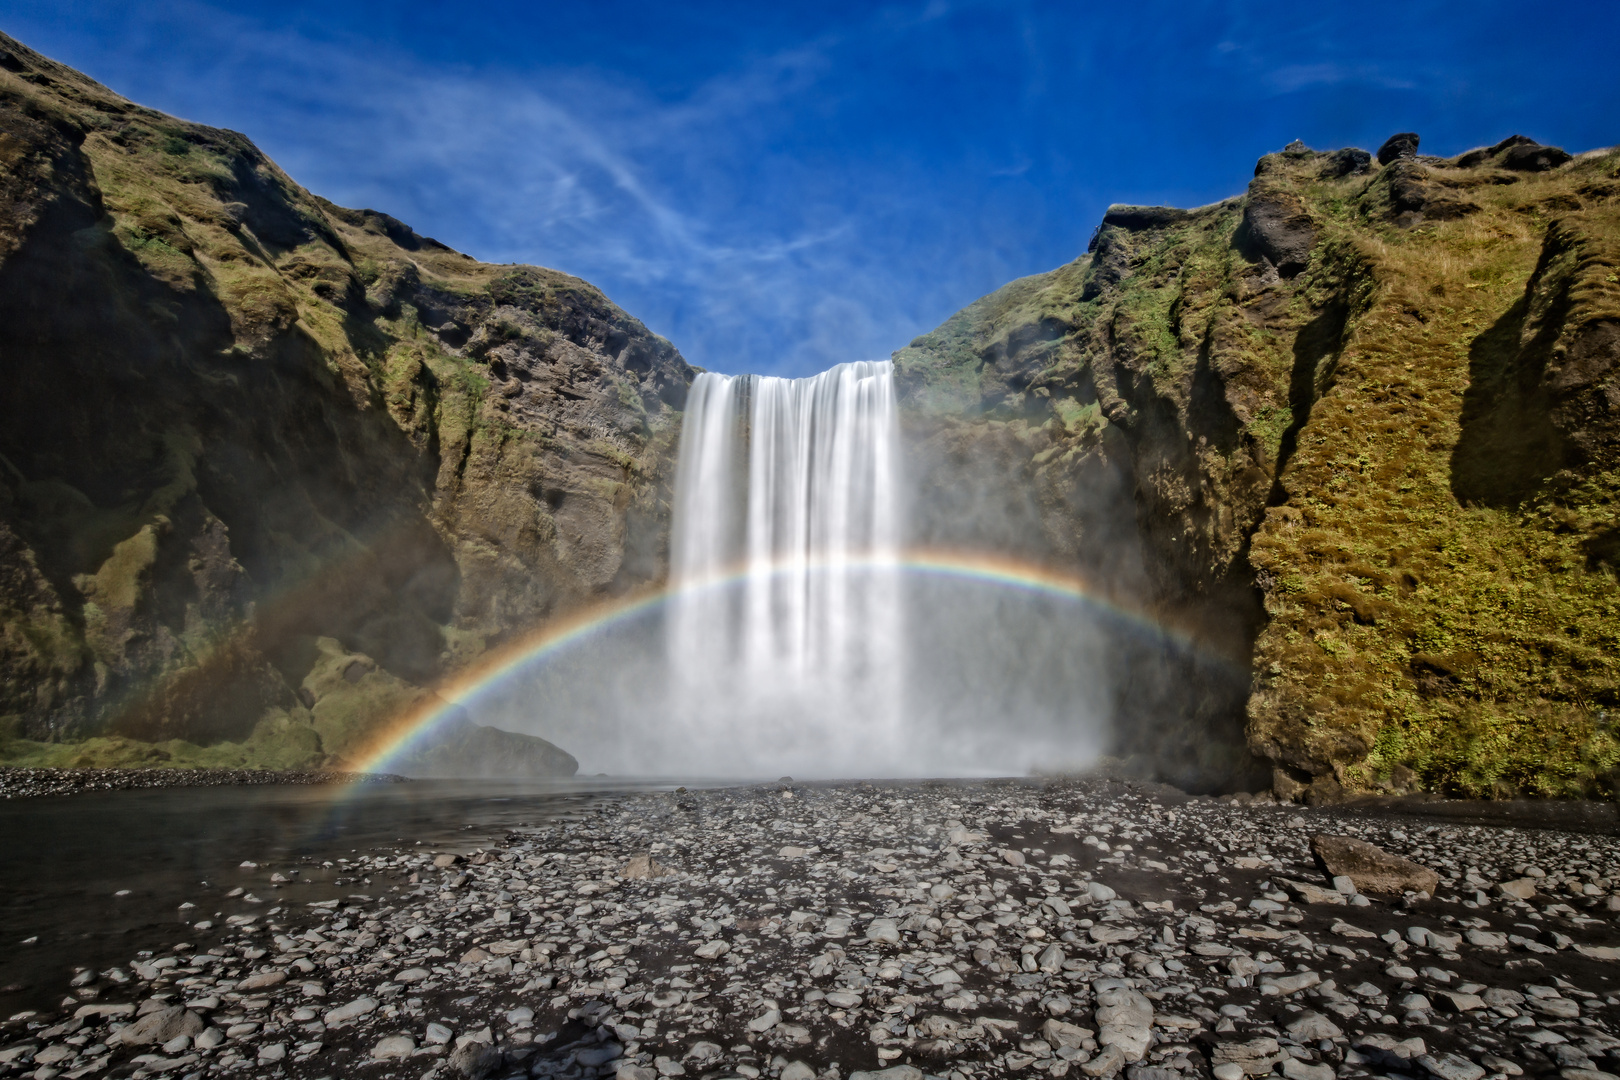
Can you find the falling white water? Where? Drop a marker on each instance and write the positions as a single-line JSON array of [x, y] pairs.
[[784, 638]]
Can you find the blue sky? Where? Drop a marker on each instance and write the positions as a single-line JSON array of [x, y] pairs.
[[779, 187]]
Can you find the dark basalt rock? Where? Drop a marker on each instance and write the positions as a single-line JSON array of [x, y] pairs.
[[1520, 153], [1402, 145], [1350, 161], [1414, 198], [1144, 217], [1534, 158], [1280, 228]]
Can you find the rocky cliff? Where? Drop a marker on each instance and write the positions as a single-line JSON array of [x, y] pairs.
[[1352, 437], [269, 466]]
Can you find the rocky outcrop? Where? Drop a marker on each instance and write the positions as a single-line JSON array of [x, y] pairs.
[[248, 433], [1349, 439]]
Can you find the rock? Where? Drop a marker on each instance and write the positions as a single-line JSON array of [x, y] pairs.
[[629, 1071], [1011, 857], [1485, 939], [1373, 870], [1255, 1057], [712, 950], [355, 1009], [1559, 1007], [1280, 228], [883, 932], [437, 1035], [1313, 894], [1113, 935], [1388, 1052], [262, 980], [895, 1072], [1059, 1034], [797, 1070], [764, 1021], [445, 862], [1451, 1067], [412, 975], [393, 1046], [269, 1055], [1599, 952], [1295, 1069], [1099, 892], [1518, 889], [158, 1027], [1533, 157], [1230, 1070], [1402, 145], [1347, 162], [1459, 1002], [1313, 1027], [475, 1060], [1284, 985], [1106, 1062], [643, 867], [841, 999], [1124, 1020]]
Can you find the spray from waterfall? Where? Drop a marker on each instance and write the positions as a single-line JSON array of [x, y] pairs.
[[796, 482]]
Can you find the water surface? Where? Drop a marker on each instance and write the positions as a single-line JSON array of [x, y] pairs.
[[65, 860]]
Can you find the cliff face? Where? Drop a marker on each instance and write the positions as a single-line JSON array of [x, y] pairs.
[[1356, 434], [269, 466]]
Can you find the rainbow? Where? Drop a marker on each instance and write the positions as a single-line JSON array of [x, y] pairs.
[[489, 673]]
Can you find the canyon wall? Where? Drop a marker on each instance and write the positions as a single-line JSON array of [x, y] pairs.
[[1352, 439], [268, 466]]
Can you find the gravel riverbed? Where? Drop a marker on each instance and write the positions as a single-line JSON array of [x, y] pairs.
[[956, 930], [18, 782]]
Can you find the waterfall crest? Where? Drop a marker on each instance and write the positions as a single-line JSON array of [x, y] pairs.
[[784, 638]]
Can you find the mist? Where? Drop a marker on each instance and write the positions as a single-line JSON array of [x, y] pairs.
[[801, 635]]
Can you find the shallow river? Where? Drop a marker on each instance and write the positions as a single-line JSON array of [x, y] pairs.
[[89, 880]]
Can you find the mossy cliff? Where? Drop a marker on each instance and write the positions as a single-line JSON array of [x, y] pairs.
[[258, 452], [1355, 433]]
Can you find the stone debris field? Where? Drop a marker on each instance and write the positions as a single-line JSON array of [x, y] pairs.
[[955, 930]]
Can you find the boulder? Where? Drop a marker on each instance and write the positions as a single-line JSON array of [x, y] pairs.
[[1255, 1057], [159, 1027], [1401, 145], [1347, 162], [1534, 158], [1517, 152], [1375, 871], [643, 867], [1125, 1021], [474, 1060]]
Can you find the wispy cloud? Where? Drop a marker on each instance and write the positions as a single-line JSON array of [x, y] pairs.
[[679, 208], [1293, 77]]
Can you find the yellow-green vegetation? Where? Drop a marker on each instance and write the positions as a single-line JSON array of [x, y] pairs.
[[1358, 433], [245, 427]]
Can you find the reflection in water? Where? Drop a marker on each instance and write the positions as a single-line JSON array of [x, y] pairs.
[[64, 859]]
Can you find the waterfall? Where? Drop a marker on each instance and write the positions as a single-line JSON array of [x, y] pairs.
[[784, 636]]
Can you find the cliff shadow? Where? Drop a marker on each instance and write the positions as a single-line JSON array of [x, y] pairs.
[[1508, 446], [1317, 341]]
